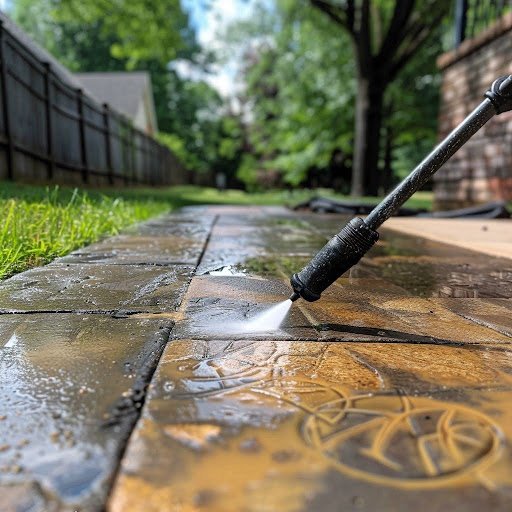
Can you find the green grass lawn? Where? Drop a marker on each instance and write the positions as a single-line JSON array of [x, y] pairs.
[[41, 223], [189, 195]]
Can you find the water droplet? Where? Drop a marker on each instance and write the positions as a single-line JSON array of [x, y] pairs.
[[169, 386]]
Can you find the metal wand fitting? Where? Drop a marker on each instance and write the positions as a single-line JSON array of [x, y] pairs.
[[358, 236], [342, 252]]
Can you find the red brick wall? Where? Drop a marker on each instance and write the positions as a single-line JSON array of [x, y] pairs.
[[482, 170]]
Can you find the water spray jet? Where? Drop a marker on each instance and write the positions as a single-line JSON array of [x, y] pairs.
[[270, 319], [346, 248]]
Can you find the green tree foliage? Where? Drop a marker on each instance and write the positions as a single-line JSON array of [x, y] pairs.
[[89, 36], [132, 30], [300, 92], [385, 35], [145, 29], [302, 77]]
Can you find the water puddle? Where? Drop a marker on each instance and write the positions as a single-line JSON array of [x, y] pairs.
[[228, 271]]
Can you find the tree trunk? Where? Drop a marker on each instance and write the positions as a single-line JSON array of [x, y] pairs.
[[369, 101]]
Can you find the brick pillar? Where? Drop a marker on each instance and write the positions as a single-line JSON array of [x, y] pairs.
[[482, 170]]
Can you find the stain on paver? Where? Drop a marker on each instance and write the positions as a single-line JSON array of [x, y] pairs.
[[62, 378], [322, 421]]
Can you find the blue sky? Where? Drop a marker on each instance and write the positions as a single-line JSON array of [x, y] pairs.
[[197, 11], [209, 22]]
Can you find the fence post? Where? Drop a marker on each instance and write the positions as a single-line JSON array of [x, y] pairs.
[[158, 156], [108, 149], [49, 119], [125, 151], [147, 167], [5, 106], [81, 126], [149, 162], [461, 12], [133, 155], [159, 159]]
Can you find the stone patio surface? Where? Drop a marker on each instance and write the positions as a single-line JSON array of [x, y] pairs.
[[128, 383]]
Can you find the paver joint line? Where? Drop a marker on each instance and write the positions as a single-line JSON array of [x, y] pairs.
[[207, 241]]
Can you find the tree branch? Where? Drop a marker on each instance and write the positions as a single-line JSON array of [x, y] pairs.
[[351, 14], [420, 34], [364, 39], [397, 30], [338, 15]]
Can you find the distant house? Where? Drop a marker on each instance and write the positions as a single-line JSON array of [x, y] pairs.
[[129, 93]]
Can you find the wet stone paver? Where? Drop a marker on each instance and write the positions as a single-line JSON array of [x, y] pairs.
[[392, 393], [76, 356], [382, 396], [63, 380], [96, 287]]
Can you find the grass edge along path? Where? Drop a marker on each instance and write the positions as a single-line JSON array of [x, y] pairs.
[[39, 226], [43, 223]]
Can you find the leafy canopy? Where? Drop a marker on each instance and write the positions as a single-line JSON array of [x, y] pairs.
[[145, 29], [299, 90]]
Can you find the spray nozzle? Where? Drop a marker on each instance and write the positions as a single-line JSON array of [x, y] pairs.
[[346, 248], [342, 252]]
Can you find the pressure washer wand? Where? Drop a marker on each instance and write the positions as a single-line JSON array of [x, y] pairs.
[[346, 248]]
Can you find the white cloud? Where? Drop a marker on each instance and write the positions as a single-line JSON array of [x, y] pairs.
[[223, 77], [219, 16]]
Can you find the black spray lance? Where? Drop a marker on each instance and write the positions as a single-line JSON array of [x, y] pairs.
[[346, 248]]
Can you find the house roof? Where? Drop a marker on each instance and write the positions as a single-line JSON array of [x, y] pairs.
[[122, 90]]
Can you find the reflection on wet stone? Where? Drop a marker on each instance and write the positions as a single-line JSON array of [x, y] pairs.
[[61, 376], [92, 287]]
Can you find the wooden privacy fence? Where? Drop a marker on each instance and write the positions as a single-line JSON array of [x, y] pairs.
[[52, 132]]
